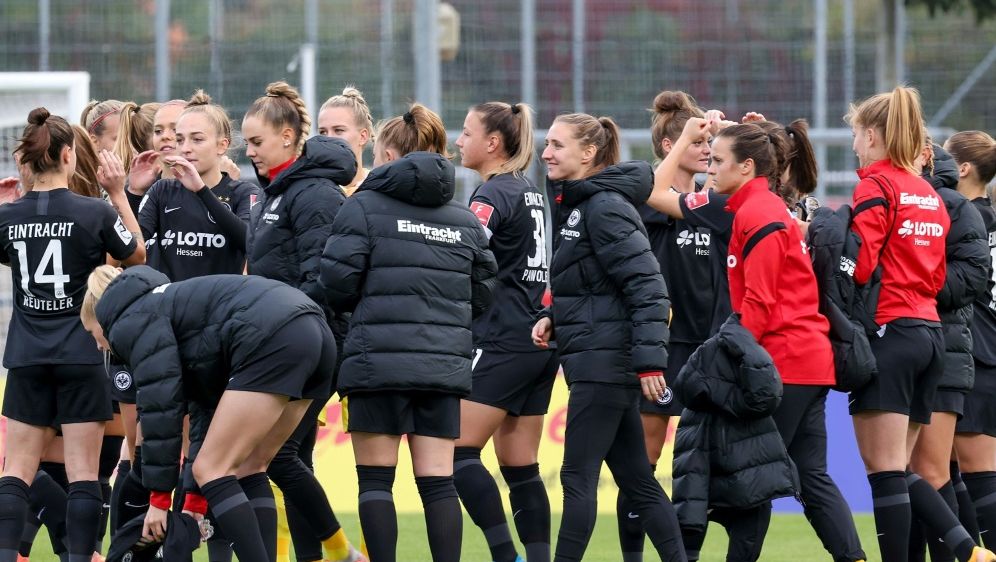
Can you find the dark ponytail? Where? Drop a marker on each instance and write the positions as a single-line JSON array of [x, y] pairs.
[[41, 144]]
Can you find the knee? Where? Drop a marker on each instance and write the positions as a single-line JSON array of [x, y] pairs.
[[285, 469], [933, 475], [204, 472]]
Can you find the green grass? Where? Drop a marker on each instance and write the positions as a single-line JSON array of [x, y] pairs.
[[790, 538]]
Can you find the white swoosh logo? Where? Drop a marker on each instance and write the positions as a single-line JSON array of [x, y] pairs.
[[168, 210], [129, 504], [632, 515]]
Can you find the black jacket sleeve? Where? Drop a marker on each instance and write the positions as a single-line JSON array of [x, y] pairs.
[[231, 224], [150, 348], [967, 259], [483, 276], [346, 257], [623, 250], [312, 215]]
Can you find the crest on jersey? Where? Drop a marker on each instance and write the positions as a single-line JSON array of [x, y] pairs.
[[666, 398], [273, 206], [697, 199], [574, 219], [252, 200], [122, 380]]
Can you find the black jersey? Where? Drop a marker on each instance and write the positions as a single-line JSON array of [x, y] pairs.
[[191, 234], [984, 320], [512, 211], [52, 241], [692, 253]]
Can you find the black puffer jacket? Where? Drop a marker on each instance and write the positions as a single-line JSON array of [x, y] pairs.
[[290, 224], [610, 303], [728, 452], [967, 248], [415, 268], [182, 340]]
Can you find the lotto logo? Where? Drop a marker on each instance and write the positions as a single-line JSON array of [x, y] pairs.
[[684, 238], [918, 228]]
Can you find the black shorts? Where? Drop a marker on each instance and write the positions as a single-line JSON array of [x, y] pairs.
[[980, 412], [950, 401], [122, 383], [910, 357], [297, 362], [519, 383], [430, 414], [677, 355], [50, 395]]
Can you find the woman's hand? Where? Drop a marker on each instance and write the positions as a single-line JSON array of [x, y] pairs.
[[9, 191], [652, 385], [542, 332], [230, 168], [154, 529], [753, 117], [143, 172], [111, 173], [696, 129], [184, 171]]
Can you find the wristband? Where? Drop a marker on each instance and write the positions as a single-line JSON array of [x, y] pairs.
[[160, 500], [646, 374], [195, 503]]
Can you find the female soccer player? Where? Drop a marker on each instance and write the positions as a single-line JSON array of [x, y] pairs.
[[902, 225], [347, 116], [610, 309], [512, 380], [414, 268], [53, 238], [100, 119], [246, 355]]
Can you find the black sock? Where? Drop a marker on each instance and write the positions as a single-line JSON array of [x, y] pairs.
[[893, 515], [31, 527], [631, 535], [479, 494], [918, 542], [982, 487], [307, 545], [928, 505], [530, 509], [124, 467], [48, 500], [13, 510], [443, 518], [260, 496], [305, 492], [234, 515], [110, 454], [105, 512], [136, 463], [939, 551], [966, 510], [57, 471], [83, 504], [219, 548], [378, 517]]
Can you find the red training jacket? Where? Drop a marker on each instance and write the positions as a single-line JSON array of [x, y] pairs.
[[773, 288], [903, 228]]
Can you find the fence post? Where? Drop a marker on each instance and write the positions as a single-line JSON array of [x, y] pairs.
[[577, 52], [162, 50], [426, 38], [44, 33]]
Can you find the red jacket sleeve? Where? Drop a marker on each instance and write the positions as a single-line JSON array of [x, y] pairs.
[[872, 226], [761, 272]]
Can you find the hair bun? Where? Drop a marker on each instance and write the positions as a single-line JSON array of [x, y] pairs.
[[38, 116], [409, 118], [352, 92], [199, 98], [667, 102], [280, 90]]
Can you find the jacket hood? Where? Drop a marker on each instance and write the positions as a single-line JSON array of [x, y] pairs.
[[945, 170], [132, 284], [423, 179], [323, 157], [633, 180]]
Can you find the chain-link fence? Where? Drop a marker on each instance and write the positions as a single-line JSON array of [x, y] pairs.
[[607, 57]]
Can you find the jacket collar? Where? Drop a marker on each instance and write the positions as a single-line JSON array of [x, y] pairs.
[[878, 167], [633, 180], [746, 191]]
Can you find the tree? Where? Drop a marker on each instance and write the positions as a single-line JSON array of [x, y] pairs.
[[984, 9]]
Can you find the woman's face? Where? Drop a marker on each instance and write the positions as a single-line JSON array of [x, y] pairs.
[[199, 142], [108, 134], [164, 129], [473, 143], [726, 173], [267, 146], [695, 159], [565, 157], [340, 122]]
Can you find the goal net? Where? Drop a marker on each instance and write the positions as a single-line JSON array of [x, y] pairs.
[[63, 93]]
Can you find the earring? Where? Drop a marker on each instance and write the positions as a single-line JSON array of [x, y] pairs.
[[286, 144]]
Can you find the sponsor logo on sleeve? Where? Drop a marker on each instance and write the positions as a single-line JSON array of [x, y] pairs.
[[698, 199], [483, 211], [122, 231]]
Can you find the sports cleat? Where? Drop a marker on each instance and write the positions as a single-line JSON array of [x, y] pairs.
[[353, 556], [980, 554]]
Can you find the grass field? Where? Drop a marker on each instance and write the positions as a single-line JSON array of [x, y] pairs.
[[790, 538]]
